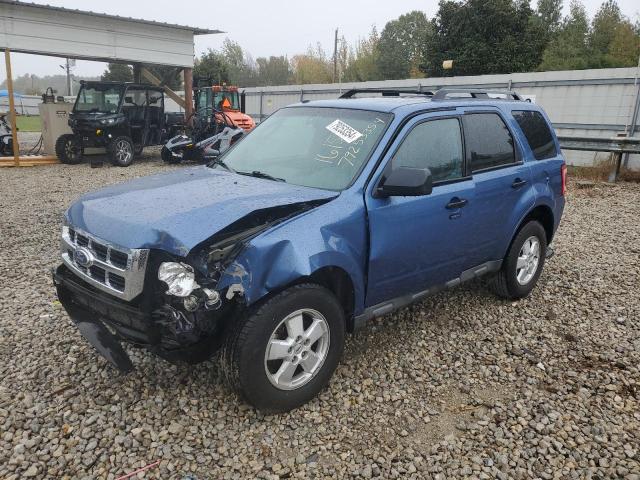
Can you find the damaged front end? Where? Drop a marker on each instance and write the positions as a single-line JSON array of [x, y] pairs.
[[180, 313]]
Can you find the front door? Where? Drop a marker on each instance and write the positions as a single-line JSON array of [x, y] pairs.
[[417, 242]]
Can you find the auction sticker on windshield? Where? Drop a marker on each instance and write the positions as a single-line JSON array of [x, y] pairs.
[[344, 131]]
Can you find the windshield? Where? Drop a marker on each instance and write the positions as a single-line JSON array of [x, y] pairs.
[[226, 100], [98, 98], [310, 146]]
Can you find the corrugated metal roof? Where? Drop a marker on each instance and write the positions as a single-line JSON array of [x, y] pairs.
[[195, 30]]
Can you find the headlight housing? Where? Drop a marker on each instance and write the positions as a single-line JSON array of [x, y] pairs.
[[179, 277], [108, 121]]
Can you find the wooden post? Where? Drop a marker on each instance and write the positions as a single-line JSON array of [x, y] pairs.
[[12, 109], [156, 81], [188, 92]]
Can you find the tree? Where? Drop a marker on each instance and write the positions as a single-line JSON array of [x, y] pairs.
[[624, 49], [312, 67], [549, 12], [483, 36], [362, 60], [117, 72], [273, 71], [401, 44], [211, 68], [242, 69], [603, 27]]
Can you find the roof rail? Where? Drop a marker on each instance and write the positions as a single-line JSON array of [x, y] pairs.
[[476, 93], [386, 92]]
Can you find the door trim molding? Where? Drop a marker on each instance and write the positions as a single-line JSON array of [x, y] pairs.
[[389, 306]]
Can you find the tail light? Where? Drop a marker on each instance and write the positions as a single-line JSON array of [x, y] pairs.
[[563, 174]]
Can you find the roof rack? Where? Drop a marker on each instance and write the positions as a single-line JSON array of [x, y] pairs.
[[386, 92], [476, 93]]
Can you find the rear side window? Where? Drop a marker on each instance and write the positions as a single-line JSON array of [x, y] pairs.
[[488, 141], [538, 134], [434, 144]]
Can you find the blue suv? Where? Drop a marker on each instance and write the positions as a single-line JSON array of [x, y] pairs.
[[328, 214]]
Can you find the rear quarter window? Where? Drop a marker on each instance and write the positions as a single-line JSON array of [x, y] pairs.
[[537, 132]]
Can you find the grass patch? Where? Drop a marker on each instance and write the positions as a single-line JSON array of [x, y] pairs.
[[29, 123], [600, 173]]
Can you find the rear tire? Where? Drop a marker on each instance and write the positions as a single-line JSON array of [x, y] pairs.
[[69, 149], [121, 151], [283, 353], [523, 264]]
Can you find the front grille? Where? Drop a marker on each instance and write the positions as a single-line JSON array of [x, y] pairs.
[[116, 270]]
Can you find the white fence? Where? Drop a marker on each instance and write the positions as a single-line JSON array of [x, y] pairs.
[[579, 102]]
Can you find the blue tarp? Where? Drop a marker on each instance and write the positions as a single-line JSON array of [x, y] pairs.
[[5, 93]]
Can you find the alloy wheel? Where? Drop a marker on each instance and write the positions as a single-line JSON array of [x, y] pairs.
[[297, 349], [123, 151], [528, 260]]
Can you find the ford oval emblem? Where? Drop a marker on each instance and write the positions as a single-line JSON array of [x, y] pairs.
[[83, 257]]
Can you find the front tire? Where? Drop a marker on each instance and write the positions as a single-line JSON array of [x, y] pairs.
[[168, 157], [121, 151], [283, 353], [523, 264], [69, 149]]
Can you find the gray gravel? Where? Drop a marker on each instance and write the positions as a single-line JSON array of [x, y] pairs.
[[462, 384]]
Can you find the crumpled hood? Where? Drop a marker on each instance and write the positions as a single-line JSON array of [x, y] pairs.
[[176, 211]]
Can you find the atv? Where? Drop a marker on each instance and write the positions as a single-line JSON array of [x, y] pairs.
[[122, 117], [212, 133]]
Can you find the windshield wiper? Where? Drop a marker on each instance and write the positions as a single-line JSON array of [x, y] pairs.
[[259, 174], [221, 163]]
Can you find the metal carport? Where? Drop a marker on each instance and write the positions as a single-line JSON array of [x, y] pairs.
[[63, 32]]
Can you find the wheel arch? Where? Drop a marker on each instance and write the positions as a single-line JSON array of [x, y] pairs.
[[542, 214], [333, 278]]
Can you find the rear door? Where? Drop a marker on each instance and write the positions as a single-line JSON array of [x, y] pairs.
[[417, 242], [502, 181], [545, 158]]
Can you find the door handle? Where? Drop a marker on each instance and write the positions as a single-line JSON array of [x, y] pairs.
[[456, 202], [518, 182]]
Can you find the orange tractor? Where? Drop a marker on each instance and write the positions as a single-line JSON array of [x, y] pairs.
[[223, 98]]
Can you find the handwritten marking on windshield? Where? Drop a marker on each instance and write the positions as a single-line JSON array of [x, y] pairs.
[[339, 154]]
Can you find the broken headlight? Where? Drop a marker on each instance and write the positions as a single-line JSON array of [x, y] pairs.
[[179, 277]]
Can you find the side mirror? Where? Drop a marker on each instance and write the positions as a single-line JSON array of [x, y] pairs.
[[406, 182]]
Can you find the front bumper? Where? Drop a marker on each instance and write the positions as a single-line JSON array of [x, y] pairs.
[[105, 322]]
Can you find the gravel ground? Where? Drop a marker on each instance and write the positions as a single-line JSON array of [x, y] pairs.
[[460, 385]]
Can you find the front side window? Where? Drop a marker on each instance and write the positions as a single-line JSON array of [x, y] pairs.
[[310, 146], [203, 100], [488, 141], [135, 98], [537, 132], [98, 99], [436, 145]]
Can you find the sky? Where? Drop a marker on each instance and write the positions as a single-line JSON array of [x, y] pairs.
[[262, 28]]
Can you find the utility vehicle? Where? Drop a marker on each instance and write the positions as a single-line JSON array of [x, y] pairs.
[[123, 117], [328, 214], [223, 98]]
